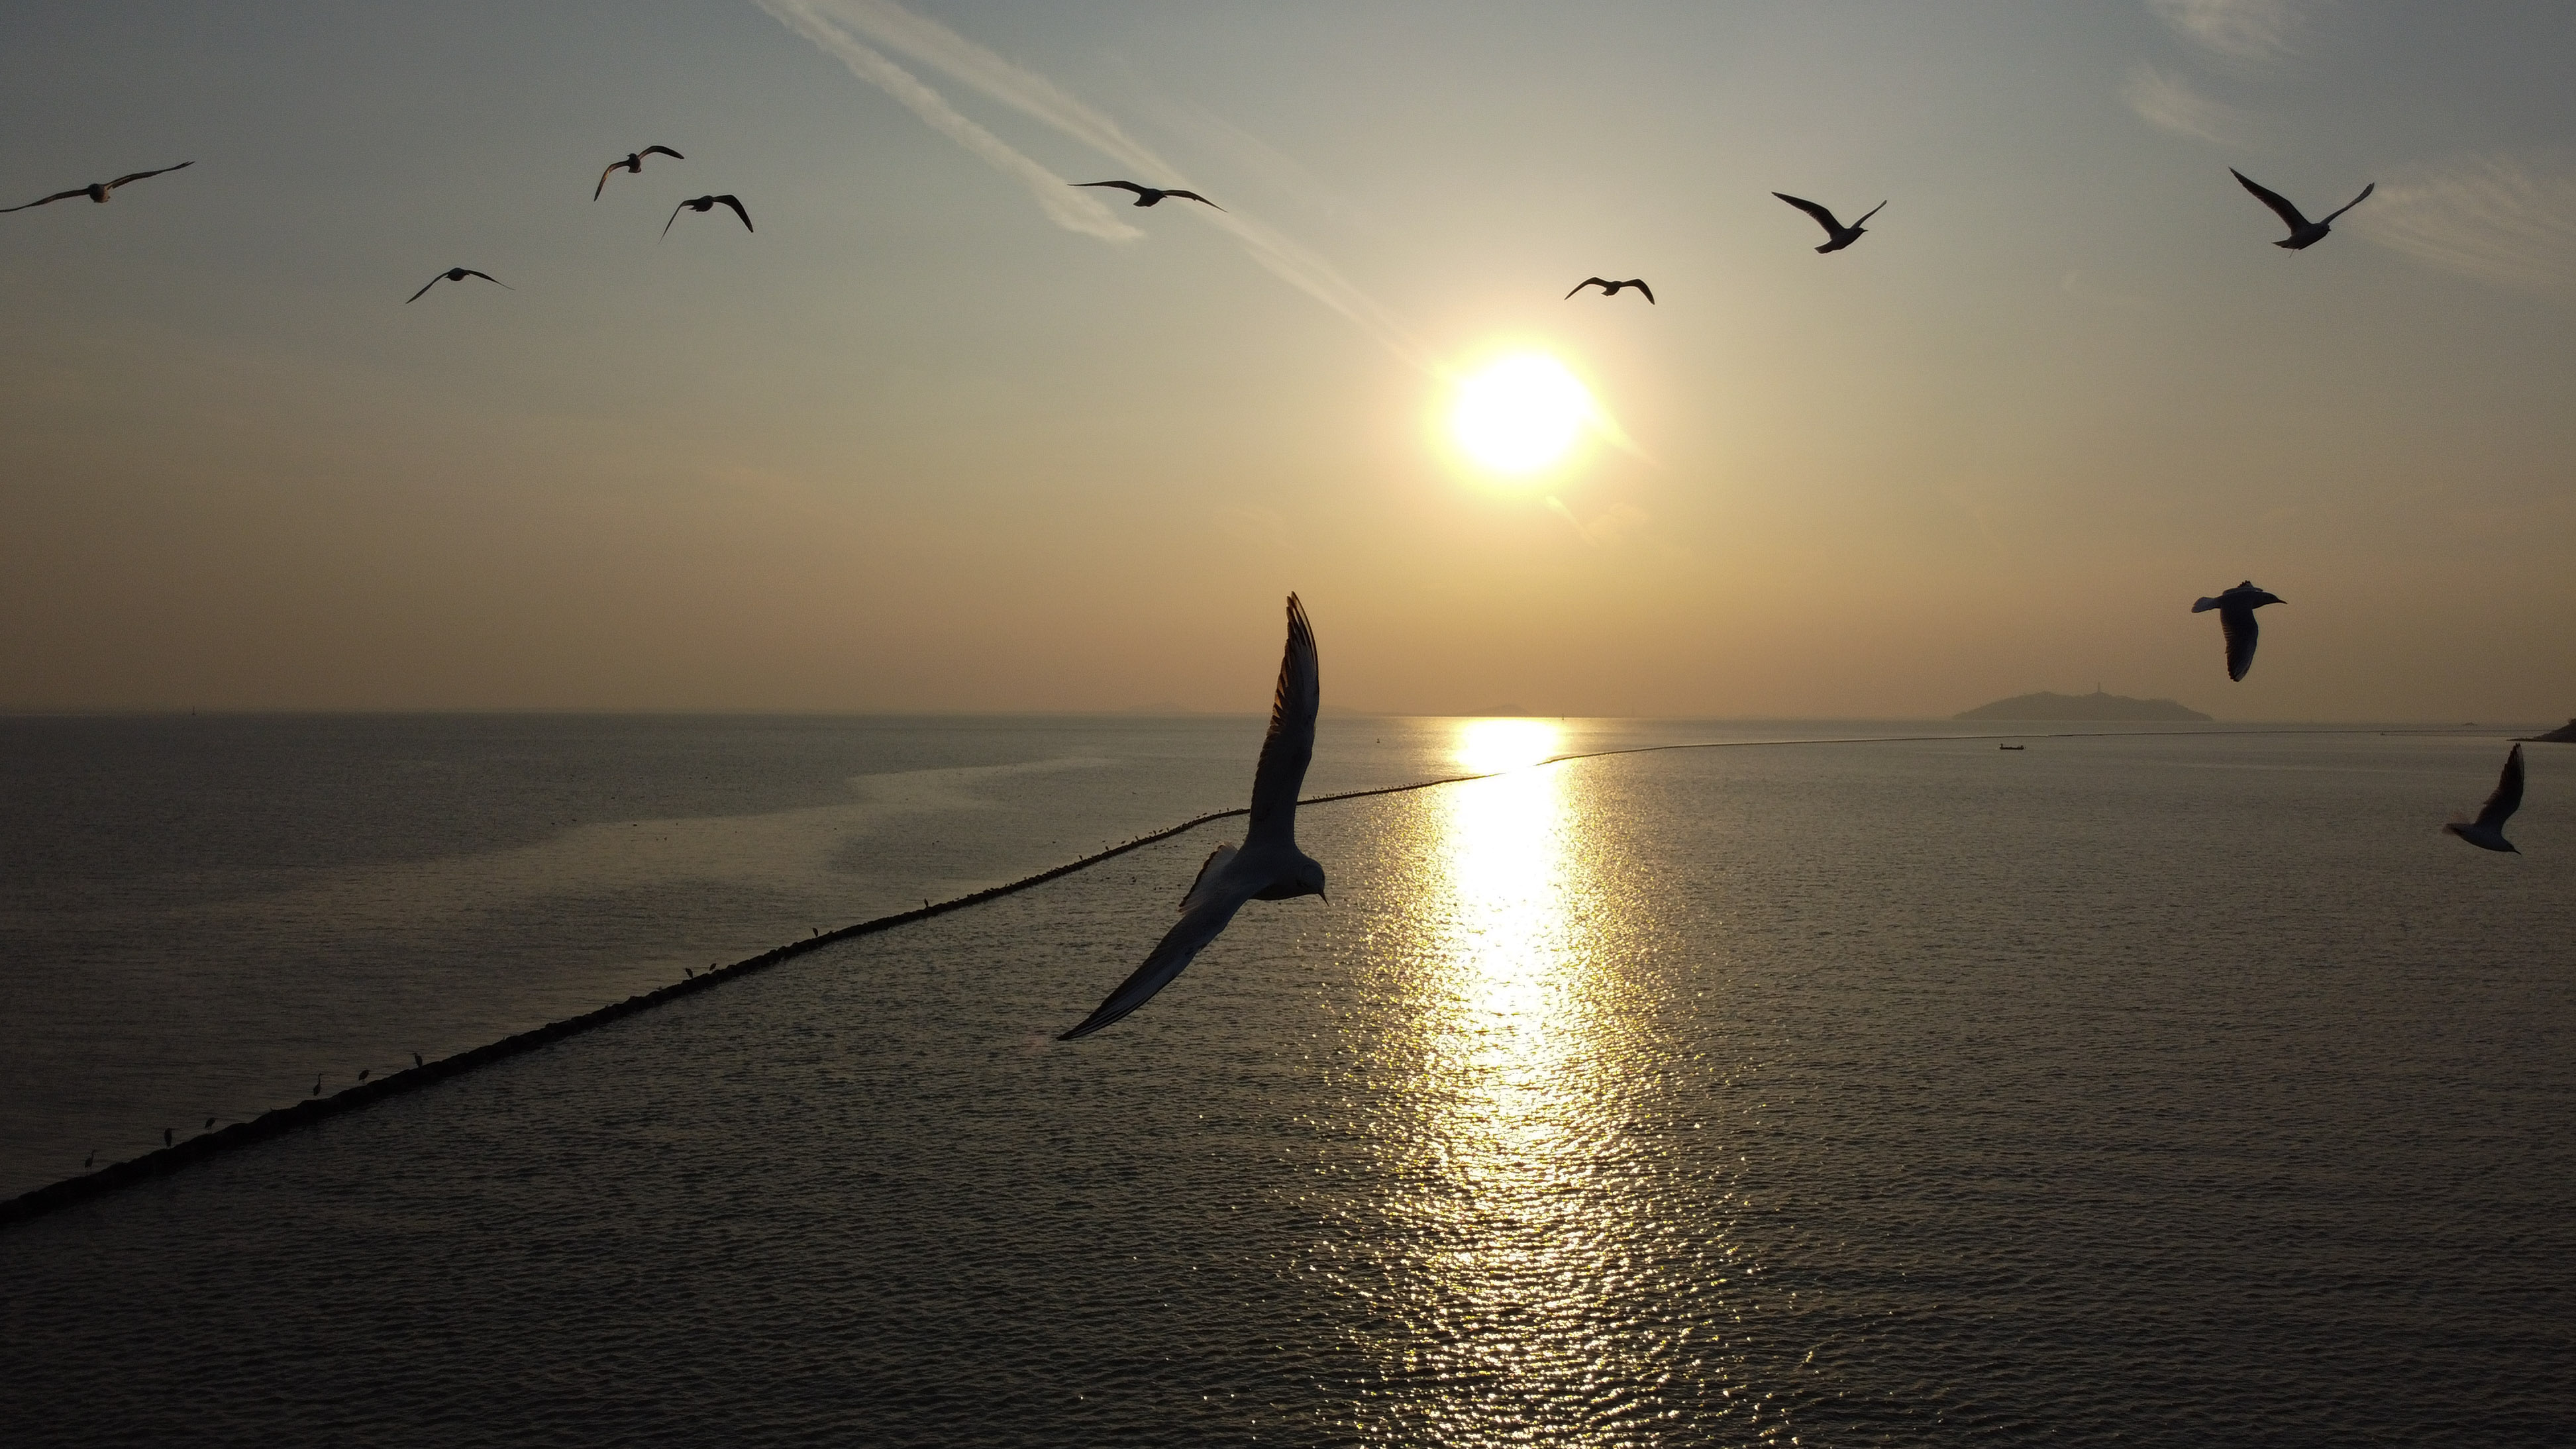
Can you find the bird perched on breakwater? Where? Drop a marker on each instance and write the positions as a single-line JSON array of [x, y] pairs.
[[2303, 232], [1149, 195], [710, 203], [1837, 235], [633, 163], [90, 1161], [456, 274], [2487, 831], [2236, 608], [1268, 866], [209, 1127], [362, 1073], [1611, 289], [317, 1088], [97, 190], [415, 1059]]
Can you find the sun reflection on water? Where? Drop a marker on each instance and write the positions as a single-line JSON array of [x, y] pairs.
[[1518, 1202]]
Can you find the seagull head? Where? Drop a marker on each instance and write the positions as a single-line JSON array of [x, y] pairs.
[[1310, 879]]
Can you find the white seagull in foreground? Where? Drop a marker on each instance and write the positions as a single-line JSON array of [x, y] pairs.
[[2303, 232], [456, 274], [633, 163], [1837, 235], [2487, 831], [98, 190], [2236, 608], [1269, 866], [1148, 195]]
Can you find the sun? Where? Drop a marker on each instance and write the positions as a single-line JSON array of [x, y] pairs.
[[1520, 413]]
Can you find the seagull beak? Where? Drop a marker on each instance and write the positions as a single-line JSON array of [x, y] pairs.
[[1319, 891]]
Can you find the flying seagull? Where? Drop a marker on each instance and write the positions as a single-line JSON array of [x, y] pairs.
[[2236, 608], [98, 190], [456, 274], [2487, 831], [1268, 866], [634, 162], [1611, 289], [710, 203], [1148, 195], [1838, 235], [2303, 232]]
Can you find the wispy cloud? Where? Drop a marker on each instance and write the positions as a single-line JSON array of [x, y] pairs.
[[2243, 29], [2492, 218], [2170, 102], [932, 44], [1068, 208]]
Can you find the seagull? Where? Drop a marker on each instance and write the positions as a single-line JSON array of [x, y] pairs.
[[2487, 831], [209, 1127], [362, 1072], [1148, 195], [634, 162], [165, 1136], [1611, 289], [1840, 236], [2236, 608], [1268, 866], [415, 1059], [90, 1161], [98, 190], [710, 203], [456, 274], [317, 1088], [2303, 232]]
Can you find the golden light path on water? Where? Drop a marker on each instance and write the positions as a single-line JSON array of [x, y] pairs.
[[1519, 1300]]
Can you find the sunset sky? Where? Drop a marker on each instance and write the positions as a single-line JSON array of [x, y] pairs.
[[946, 433]]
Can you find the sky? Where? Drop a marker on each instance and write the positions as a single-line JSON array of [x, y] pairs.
[[945, 433]]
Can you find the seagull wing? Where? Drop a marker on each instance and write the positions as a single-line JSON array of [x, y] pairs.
[[2507, 797], [1194, 196], [675, 216], [1291, 741], [2204, 605], [1823, 217], [1180, 945], [139, 175], [487, 276], [1121, 185], [424, 291], [2280, 204], [2237, 623], [661, 151], [2349, 205], [736, 204], [1866, 215], [1589, 282], [1640, 284], [613, 168], [57, 196]]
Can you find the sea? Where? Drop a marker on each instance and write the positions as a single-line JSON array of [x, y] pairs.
[[1816, 1083]]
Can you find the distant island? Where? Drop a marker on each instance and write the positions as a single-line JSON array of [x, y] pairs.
[[2096, 705]]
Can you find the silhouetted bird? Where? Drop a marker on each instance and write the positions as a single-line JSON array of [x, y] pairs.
[[1149, 195], [456, 274], [1268, 866], [1838, 236], [98, 190], [710, 203], [90, 1161], [317, 1088], [209, 1127], [688, 975], [2487, 831], [2303, 232], [1611, 289], [362, 1073], [634, 162], [165, 1136], [415, 1059], [2236, 608]]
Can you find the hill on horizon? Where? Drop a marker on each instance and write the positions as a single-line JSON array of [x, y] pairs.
[[2096, 705]]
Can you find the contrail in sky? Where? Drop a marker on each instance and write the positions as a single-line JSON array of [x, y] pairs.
[[935, 45]]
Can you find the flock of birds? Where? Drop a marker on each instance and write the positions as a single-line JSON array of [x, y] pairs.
[[1268, 865]]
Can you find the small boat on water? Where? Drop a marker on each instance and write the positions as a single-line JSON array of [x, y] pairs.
[[2012, 747]]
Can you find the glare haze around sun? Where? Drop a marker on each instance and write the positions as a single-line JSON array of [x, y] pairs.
[[1519, 413]]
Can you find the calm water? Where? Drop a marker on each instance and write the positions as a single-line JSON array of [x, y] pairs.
[[2184, 1090]]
